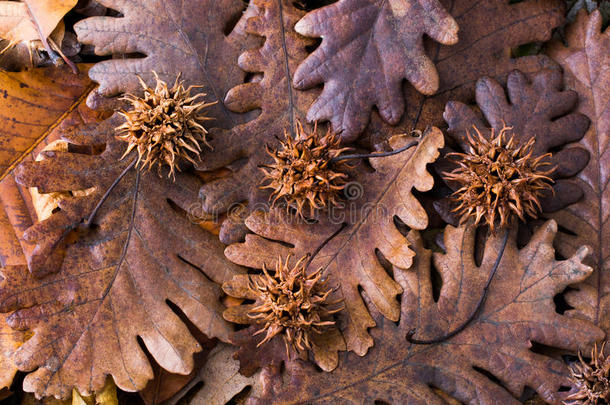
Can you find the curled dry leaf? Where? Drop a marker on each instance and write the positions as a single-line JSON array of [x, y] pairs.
[[491, 361], [141, 253], [243, 147], [176, 37], [30, 20], [586, 63], [356, 238], [534, 107], [368, 48]]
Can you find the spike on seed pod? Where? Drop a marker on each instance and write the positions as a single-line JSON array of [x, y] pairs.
[[165, 125], [292, 303], [303, 174], [592, 379], [498, 179]]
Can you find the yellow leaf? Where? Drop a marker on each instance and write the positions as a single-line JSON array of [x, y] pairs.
[[106, 396]]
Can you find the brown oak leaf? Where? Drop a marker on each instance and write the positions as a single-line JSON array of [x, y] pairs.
[[174, 37], [368, 48], [488, 31], [491, 361], [112, 283], [243, 147], [33, 103], [586, 62], [535, 107], [356, 235], [222, 381]]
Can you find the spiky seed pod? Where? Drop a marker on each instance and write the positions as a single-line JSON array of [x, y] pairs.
[[292, 303], [592, 379], [498, 179], [303, 175], [165, 125]]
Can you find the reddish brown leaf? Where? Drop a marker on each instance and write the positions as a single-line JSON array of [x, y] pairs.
[[586, 64], [175, 36], [488, 31], [491, 361], [243, 147], [351, 259], [535, 107], [368, 49], [141, 252]]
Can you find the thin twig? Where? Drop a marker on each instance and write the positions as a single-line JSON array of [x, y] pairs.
[[478, 308], [64, 57], [375, 155], [107, 193], [319, 248]]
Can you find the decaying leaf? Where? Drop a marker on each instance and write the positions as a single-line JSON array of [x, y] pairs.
[[363, 231], [534, 107], [113, 283], [33, 104], [243, 147], [175, 37], [488, 31], [368, 48], [30, 20], [492, 360], [586, 64]]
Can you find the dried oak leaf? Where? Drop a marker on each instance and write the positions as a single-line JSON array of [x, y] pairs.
[[535, 107], [586, 65], [364, 230], [492, 360], [221, 379], [488, 31], [113, 284], [32, 105], [176, 37], [166, 385], [243, 147], [368, 48]]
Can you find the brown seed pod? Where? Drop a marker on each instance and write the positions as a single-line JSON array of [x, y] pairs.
[[592, 379], [303, 174], [292, 303], [165, 125], [498, 179]]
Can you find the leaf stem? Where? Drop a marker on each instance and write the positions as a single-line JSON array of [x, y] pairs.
[[107, 193], [375, 155], [477, 310], [319, 248]]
